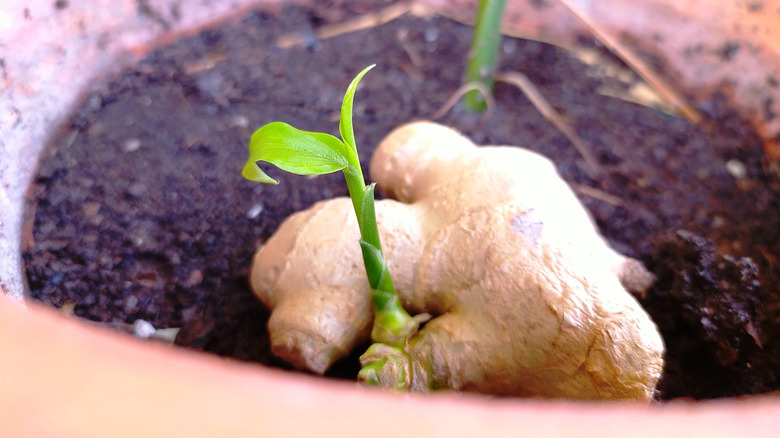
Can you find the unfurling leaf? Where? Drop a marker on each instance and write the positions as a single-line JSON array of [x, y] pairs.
[[382, 289], [345, 123], [252, 172], [293, 150]]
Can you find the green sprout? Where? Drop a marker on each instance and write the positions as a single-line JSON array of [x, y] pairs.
[[484, 52], [314, 153]]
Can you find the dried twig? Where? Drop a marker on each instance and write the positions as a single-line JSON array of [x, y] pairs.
[[411, 52], [362, 22], [636, 64], [462, 90], [541, 104], [619, 81], [601, 195]]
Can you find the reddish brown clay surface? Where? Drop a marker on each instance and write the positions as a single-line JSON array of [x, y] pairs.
[[139, 210]]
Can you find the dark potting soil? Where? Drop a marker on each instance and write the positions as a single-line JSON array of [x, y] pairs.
[[140, 211]]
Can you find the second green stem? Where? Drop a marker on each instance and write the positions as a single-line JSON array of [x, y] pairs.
[[484, 51]]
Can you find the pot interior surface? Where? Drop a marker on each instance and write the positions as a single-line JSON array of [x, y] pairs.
[[138, 210]]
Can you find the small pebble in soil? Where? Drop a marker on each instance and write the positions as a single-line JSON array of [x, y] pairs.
[[131, 145], [736, 168], [254, 211]]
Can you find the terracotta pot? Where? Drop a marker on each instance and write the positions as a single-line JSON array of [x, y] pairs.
[[61, 377]]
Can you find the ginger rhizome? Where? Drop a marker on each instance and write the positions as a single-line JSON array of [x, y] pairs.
[[526, 297]]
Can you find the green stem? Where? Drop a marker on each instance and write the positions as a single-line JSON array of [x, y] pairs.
[[357, 188], [291, 149], [484, 51], [392, 324], [385, 363]]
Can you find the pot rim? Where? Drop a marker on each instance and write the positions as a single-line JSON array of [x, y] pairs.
[[63, 377]]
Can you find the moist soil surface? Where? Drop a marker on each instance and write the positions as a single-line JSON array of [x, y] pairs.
[[139, 210]]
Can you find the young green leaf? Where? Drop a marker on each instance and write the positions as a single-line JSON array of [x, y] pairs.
[[345, 124], [293, 150]]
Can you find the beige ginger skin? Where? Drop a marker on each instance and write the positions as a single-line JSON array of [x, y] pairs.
[[527, 298]]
